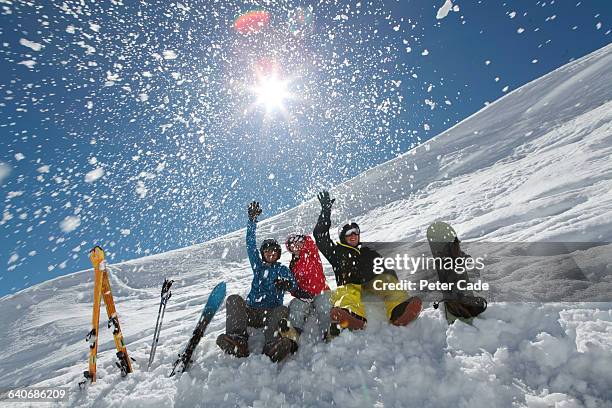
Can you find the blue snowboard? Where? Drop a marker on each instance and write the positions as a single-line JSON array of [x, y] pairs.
[[212, 305]]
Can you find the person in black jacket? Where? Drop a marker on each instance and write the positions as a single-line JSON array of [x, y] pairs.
[[353, 265]]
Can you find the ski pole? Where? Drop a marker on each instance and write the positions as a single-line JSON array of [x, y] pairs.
[[165, 295]]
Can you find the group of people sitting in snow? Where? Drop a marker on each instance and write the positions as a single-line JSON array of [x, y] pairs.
[[353, 266]]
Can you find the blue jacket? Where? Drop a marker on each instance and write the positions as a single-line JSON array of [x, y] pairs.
[[263, 291]]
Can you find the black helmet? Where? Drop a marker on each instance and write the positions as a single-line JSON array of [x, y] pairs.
[[351, 228], [269, 244]]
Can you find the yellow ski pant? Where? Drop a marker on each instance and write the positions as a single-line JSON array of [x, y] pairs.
[[349, 296]]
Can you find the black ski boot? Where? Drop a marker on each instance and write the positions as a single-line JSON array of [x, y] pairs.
[[234, 344], [279, 348]]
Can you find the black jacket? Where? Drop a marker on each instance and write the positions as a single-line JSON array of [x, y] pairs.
[[350, 264]]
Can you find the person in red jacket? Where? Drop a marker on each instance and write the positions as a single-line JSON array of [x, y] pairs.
[[311, 297]]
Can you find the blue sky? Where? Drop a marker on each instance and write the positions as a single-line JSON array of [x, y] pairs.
[[136, 126]]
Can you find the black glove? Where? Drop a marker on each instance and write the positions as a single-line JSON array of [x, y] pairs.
[[325, 200], [283, 284], [254, 211], [301, 294]]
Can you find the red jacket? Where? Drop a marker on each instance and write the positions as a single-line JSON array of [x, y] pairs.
[[308, 270]]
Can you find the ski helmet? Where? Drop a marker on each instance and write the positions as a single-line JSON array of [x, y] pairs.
[[270, 244], [348, 229]]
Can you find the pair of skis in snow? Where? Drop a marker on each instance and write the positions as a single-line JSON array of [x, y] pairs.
[[102, 290]]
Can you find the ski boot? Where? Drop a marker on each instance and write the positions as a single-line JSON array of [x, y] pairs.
[[406, 312], [279, 348], [234, 344], [347, 319], [285, 329]]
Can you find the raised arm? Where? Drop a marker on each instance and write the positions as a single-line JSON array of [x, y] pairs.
[[254, 211], [321, 230]]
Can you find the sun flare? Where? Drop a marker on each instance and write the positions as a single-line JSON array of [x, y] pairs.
[[272, 92]]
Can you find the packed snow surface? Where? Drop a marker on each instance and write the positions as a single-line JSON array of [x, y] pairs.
[[534, 165]]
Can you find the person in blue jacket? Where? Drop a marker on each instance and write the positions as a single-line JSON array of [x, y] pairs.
[[263, 306]]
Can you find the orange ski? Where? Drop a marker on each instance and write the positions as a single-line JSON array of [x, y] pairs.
[[96, 256], [102, 290], [124, 363]]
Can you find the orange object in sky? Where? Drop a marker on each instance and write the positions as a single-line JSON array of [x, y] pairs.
[[252, 22]]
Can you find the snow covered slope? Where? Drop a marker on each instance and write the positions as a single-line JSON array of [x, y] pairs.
[[534, 165]]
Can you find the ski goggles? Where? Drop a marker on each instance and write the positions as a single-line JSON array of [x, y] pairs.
[[354, 229], [295, 238]]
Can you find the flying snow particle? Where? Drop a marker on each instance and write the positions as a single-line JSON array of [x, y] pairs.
[[520, 30], [534, 61], [70, 223], [28, 63], [43, 169], [271, 176], [444, 10], [12, 194], [598, 25], [487, 62], [426, 126], [505, 88], [141, 190], [34, 46], [512, 14], [425, 52], [125, 232], [5, 170], [14, 258], [94, 175], [169, 54]]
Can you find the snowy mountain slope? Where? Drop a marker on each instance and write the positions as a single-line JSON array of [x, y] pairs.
[[532, 166]]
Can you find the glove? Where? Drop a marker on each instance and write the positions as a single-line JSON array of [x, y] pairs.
[[302, 294], [283, 284], [325, 200], [254, 211]]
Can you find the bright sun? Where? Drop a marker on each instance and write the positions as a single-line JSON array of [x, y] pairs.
[[271, 92]]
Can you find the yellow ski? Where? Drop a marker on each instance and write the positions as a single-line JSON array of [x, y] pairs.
[[102, 290], [124, 363], [96, 256]]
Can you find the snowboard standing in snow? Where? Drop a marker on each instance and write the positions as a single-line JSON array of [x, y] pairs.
[[165, 295], [212, 305], [102, 290], [462, 305]]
